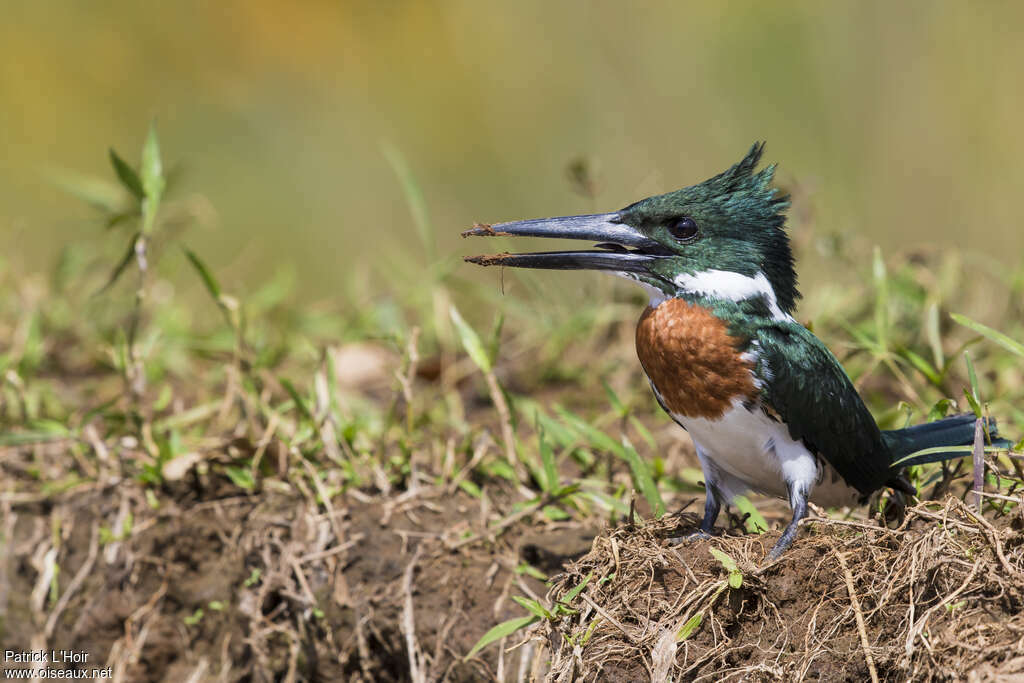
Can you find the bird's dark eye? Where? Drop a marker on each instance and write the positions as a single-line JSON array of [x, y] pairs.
[[684, 229]]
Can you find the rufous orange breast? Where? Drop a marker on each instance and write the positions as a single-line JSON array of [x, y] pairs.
[[692, 360]]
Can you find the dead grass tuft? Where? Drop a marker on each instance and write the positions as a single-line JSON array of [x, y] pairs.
[[942, 593]]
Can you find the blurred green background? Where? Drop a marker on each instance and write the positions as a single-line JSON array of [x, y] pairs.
[[900, 122]]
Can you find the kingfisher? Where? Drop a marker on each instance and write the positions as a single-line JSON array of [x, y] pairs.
[[768, 407]]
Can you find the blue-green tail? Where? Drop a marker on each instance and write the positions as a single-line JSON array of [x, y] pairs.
[[957, 430]]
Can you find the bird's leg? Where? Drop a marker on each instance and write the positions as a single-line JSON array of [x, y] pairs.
[[712, 497], [712, 506], [798, 501]]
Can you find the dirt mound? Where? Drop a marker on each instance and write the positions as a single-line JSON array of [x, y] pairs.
[[939, 598]]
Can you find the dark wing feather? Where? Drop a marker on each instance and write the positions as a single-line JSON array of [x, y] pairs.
[[811, 393]]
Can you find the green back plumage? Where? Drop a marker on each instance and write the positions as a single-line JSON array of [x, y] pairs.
[[813, 396]]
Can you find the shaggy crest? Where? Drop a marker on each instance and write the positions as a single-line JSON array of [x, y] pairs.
[[742, 214]]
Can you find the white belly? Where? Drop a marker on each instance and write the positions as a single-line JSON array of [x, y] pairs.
[[746, 450]]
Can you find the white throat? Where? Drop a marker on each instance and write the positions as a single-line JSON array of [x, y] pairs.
[[725, 284], [719, 284]]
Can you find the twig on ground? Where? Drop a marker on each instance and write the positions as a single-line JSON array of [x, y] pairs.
[[80, 576], [417, 672], [508, 437], [861, 629]]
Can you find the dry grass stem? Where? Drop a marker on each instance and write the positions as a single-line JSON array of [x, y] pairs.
[[861, 630]]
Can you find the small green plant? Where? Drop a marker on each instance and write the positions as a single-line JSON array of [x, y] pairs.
[[146, 187], [733, 581], [484, 356], [253, 578], [537, 612], [690, 627], [108, 535], [735, 575]]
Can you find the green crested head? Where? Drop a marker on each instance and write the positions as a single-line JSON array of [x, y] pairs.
[[732, 222], [722, 238]]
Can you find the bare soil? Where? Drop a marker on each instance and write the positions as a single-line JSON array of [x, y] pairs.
[[216, 586], [264, 586]]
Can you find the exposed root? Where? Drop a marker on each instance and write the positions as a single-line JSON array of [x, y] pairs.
[[861, 630]]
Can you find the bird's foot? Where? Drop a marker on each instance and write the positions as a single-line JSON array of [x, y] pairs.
[[777, 550], [693, 536]]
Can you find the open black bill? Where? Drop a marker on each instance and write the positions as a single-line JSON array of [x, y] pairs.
[[622, 248]]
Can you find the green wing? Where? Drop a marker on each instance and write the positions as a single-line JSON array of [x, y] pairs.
[[811, 394]]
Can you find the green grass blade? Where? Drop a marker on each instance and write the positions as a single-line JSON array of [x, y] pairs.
[[547, 457], [881, 299], [594, 436], [607, 502], [153, 182], [576, 590], [934, 337], [211, 283], [127, 175], [725, 560], [644, 432], [1011, 345], [532, 606], [119, 269], [471, 488], [495, 342], [642, 477], [923, 366], [470, 340], [966, 450], [690, 627], [413, 196], [505, 628], [240, 477], [755, 522], [617, 405], [972, 377], [31, 437], [152, 166], [300, 403]]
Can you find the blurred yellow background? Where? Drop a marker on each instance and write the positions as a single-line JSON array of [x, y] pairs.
[[901, 119]]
